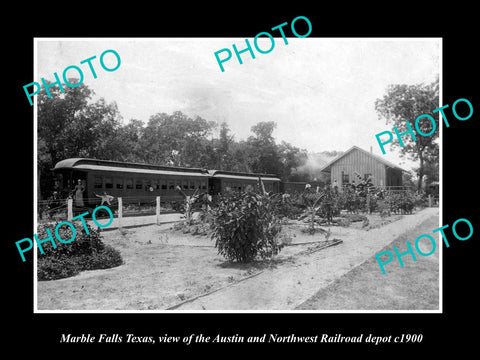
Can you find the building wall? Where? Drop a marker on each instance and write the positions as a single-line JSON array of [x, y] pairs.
[[361, 163], [394, 177]]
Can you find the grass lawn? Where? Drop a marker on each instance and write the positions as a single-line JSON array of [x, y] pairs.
[[412, 287]]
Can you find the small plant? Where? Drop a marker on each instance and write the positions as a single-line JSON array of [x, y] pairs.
[[311, 200], [192, 225], [321, 207]]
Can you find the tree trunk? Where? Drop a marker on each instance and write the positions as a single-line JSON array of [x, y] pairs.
[[420, 173]]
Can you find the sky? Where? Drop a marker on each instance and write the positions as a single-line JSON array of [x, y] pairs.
[[320, 91]]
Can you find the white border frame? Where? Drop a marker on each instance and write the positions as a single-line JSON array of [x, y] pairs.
[[35, 180]]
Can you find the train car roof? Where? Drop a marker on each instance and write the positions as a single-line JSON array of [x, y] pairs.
[[107, 165], [242, 176]]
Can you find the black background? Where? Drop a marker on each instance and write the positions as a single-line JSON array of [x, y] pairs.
[[455, 23]]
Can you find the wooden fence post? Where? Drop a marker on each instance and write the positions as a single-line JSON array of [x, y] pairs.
[[158, 210], [120, 212], [70, 210]]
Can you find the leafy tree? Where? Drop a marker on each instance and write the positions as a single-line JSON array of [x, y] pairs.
[[404, 103], [176, 140], [224, 156], [70, 125], [128, 142], [262, 151], [291, 158]]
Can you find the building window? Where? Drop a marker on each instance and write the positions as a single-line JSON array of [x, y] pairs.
[[366, 176], [345, 178]]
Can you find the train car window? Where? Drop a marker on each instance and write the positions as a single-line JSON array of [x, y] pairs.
[[97, 183], [108, 183], [185, 185], [119, 183], [171, 185], [139, 184], [204, 185], [192, 185], [164, 185], [149, 186], [129, 184]]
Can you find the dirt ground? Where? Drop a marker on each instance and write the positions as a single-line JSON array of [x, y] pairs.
[[166, 269]]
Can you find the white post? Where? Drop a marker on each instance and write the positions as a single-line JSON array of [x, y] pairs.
[[158, 210], [429, 200], [70, 210], [120, 212]]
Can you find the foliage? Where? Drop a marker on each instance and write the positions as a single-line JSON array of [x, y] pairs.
[[312, 202], [404, 103], [351, 200], [85, 252], [320, 208], [330, 205], [246, 226], [399, 202], [290, 205], [191, 203]]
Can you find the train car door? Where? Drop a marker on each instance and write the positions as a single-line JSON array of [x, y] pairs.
[[79, 189], [214, 186]]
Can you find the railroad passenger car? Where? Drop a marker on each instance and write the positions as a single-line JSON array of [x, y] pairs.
[[139, 183], [134, 182], [221, 181]]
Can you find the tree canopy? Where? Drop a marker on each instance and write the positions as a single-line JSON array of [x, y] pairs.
[[71, 124], [403, 103]]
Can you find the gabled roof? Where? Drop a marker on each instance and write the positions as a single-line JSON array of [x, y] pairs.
[[327, 167]]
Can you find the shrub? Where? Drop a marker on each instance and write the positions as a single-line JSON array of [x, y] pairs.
[[290, 205], [51, 268], [330, 205], [245, 226], [312, 200], [85, 252], [195, 225]]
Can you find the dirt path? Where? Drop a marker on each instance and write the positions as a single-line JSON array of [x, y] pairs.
[[415, 286], [294, 282]]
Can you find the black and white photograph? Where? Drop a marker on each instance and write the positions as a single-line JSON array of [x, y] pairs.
[[261, 187], [212, 179]]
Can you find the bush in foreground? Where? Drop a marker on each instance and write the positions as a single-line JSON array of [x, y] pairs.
[[85, 252], [246, 226]]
